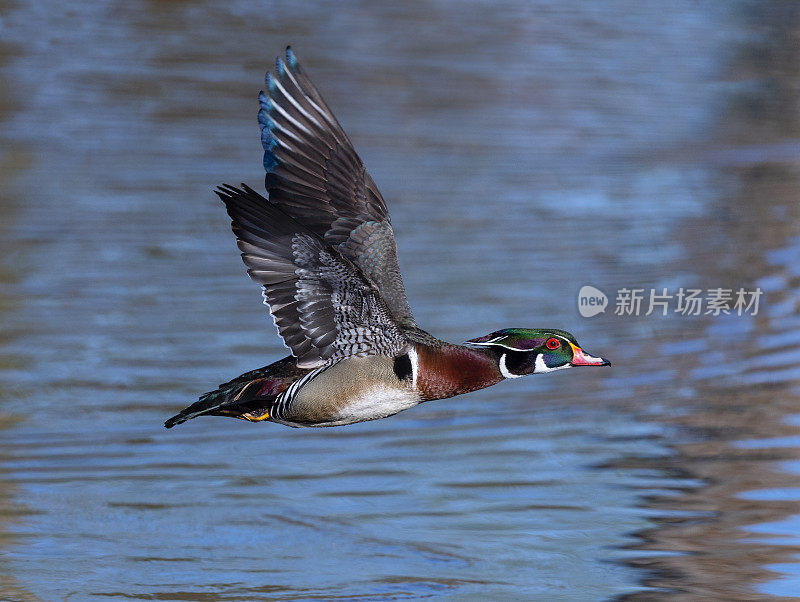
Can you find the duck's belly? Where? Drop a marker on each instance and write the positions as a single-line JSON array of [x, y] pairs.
[[354, 390]]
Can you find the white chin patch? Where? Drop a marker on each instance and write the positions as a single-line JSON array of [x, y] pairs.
[[540, 367]]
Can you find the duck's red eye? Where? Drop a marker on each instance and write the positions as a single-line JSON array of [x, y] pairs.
[[553, 343]]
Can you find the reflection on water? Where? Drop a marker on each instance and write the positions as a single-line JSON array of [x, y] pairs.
[[611, 146], [13, 509], [738, 435]]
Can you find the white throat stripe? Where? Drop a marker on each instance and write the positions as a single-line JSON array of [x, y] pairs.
[[504, 369]]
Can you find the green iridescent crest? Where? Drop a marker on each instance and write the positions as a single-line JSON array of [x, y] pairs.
[[521, 339]]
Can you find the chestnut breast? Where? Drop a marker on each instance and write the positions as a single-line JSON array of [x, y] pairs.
[[452, 370]]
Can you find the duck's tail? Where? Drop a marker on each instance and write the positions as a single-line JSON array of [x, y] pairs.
[[247, 397], [229, 400]]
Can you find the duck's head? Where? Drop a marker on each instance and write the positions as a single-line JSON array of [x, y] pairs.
[[522, 351]]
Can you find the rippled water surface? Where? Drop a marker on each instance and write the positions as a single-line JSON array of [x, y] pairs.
[[524, 151]]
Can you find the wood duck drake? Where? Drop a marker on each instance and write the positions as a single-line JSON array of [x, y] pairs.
[[322, 248]]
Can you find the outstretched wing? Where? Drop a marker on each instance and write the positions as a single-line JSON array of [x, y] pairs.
[[324, 307], [315, 176]]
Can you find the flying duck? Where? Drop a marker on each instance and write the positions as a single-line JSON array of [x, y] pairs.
[[322, 248]]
